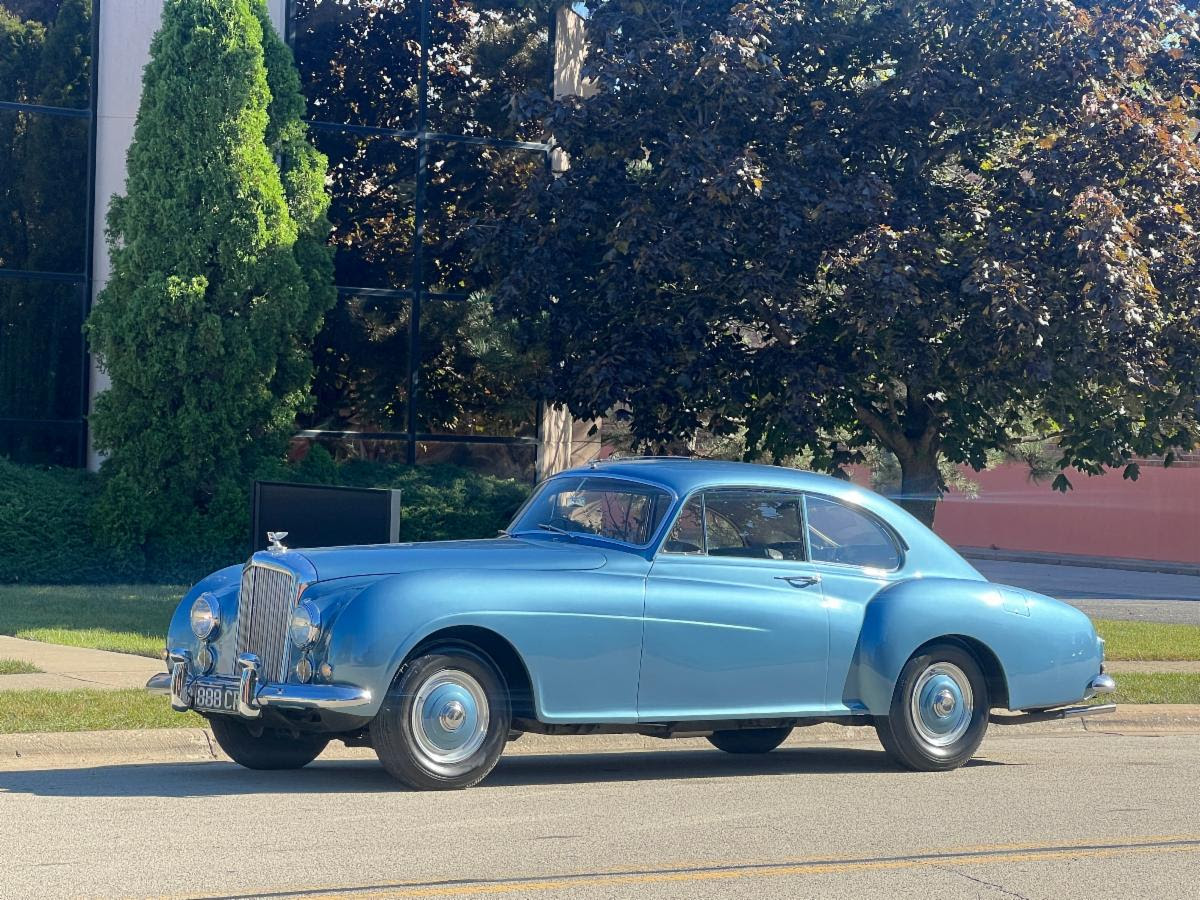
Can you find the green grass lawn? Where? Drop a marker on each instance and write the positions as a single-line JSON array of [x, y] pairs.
[[33, 711], [17, 667], [1157, 687], [1148, 640], [127, 618]]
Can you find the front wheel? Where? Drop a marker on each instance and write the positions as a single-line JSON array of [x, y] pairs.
[[444, 723], [939, 710], [269, 749]]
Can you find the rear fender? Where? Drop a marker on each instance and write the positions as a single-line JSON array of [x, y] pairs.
[[1046, 651]]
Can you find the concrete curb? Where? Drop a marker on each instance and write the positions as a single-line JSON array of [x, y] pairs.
[[182, 745], [1090, 562]]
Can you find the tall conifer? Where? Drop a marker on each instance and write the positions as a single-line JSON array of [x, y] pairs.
[[220, 276]]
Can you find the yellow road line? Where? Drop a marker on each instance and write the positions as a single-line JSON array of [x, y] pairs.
[[974, 855]]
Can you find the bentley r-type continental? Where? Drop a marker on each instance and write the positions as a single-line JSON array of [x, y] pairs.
[[652, 596]]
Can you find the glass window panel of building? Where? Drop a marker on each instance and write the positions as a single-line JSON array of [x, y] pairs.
[[360, 66], [45, 84]]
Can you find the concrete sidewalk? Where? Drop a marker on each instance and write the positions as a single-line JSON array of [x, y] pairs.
[[74, 668]]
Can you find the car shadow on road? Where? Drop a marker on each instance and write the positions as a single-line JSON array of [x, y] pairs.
[[216, 779]]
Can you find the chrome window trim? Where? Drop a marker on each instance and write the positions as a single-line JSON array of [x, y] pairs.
[[723, 488], [892, 535]]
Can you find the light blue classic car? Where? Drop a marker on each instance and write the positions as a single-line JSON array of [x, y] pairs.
[[657, 596]]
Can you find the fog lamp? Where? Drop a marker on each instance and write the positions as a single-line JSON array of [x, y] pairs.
[[305, 626], [203, 660], [206, 617]]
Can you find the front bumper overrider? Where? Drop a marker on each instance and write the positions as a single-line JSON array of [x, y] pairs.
[[253, 693]]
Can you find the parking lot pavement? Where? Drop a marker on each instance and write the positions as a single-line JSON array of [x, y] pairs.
[[1049, 815], [1105, 593]]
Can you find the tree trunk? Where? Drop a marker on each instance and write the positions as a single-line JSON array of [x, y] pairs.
[[920, 484]]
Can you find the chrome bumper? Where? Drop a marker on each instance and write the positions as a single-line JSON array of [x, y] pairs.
[[1101, 684], [253, 693]]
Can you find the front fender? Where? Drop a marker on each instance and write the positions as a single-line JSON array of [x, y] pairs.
[[223, 585], [1047, 651]]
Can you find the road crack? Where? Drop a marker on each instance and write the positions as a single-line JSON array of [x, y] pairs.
[[983, 882]]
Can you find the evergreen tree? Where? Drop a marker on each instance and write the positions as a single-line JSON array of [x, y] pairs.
[[220, 277]]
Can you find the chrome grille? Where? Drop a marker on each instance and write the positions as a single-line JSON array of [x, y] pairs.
[[264, 608]]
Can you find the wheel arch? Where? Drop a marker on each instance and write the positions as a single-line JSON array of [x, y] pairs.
[[499, 650], [989, 663]]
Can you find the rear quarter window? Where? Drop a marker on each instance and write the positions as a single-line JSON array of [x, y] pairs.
[[841, 534]]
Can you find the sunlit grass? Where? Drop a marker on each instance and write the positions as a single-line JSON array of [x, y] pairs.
[[1149, 640], [129, 618], [1155, 687], [34, 711], [17, 667]]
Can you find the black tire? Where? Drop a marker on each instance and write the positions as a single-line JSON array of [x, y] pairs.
[[410, 755], [749, 740], [909, 743], [272, 749]]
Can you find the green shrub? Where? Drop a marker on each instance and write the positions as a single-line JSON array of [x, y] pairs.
[[46, 535]]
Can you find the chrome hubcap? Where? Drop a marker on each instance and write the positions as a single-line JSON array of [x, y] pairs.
[[449, 717], [453, 715], [942, 704]]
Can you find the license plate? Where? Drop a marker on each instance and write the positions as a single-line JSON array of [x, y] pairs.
[[214, 698]]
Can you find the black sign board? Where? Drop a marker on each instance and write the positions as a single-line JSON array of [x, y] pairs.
[[319, 515]]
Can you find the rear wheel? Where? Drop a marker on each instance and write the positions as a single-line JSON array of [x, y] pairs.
[[939, 710], [749, 740], [269, 749], [444, 723]]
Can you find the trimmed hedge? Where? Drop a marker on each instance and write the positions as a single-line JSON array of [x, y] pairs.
[[47, 532]]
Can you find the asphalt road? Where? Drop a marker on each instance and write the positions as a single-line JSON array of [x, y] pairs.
[[1036, 815]]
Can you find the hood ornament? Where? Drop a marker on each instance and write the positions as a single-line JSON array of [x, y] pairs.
[[276, 539]]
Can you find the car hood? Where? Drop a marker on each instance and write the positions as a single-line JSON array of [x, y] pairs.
[[496, 553]]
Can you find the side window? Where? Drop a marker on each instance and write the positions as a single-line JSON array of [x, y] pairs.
[[840, 534], [754, 524], [687, 535]]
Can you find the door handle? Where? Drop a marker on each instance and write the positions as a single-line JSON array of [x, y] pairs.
[[799, 581]]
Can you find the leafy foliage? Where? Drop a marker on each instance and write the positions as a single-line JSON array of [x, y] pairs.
[[220, 278], [925, 225]]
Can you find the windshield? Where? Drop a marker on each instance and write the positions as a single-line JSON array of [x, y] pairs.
[[603, 507]]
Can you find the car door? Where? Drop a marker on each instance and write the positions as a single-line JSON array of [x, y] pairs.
[[857, 556], [735, 626]]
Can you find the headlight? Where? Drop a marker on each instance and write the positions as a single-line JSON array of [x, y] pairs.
[[206, 617], [305, 627]]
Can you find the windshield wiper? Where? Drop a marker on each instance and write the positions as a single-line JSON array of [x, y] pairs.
[[546, 526]]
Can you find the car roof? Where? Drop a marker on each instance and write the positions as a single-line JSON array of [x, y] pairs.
[[684, 475]]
